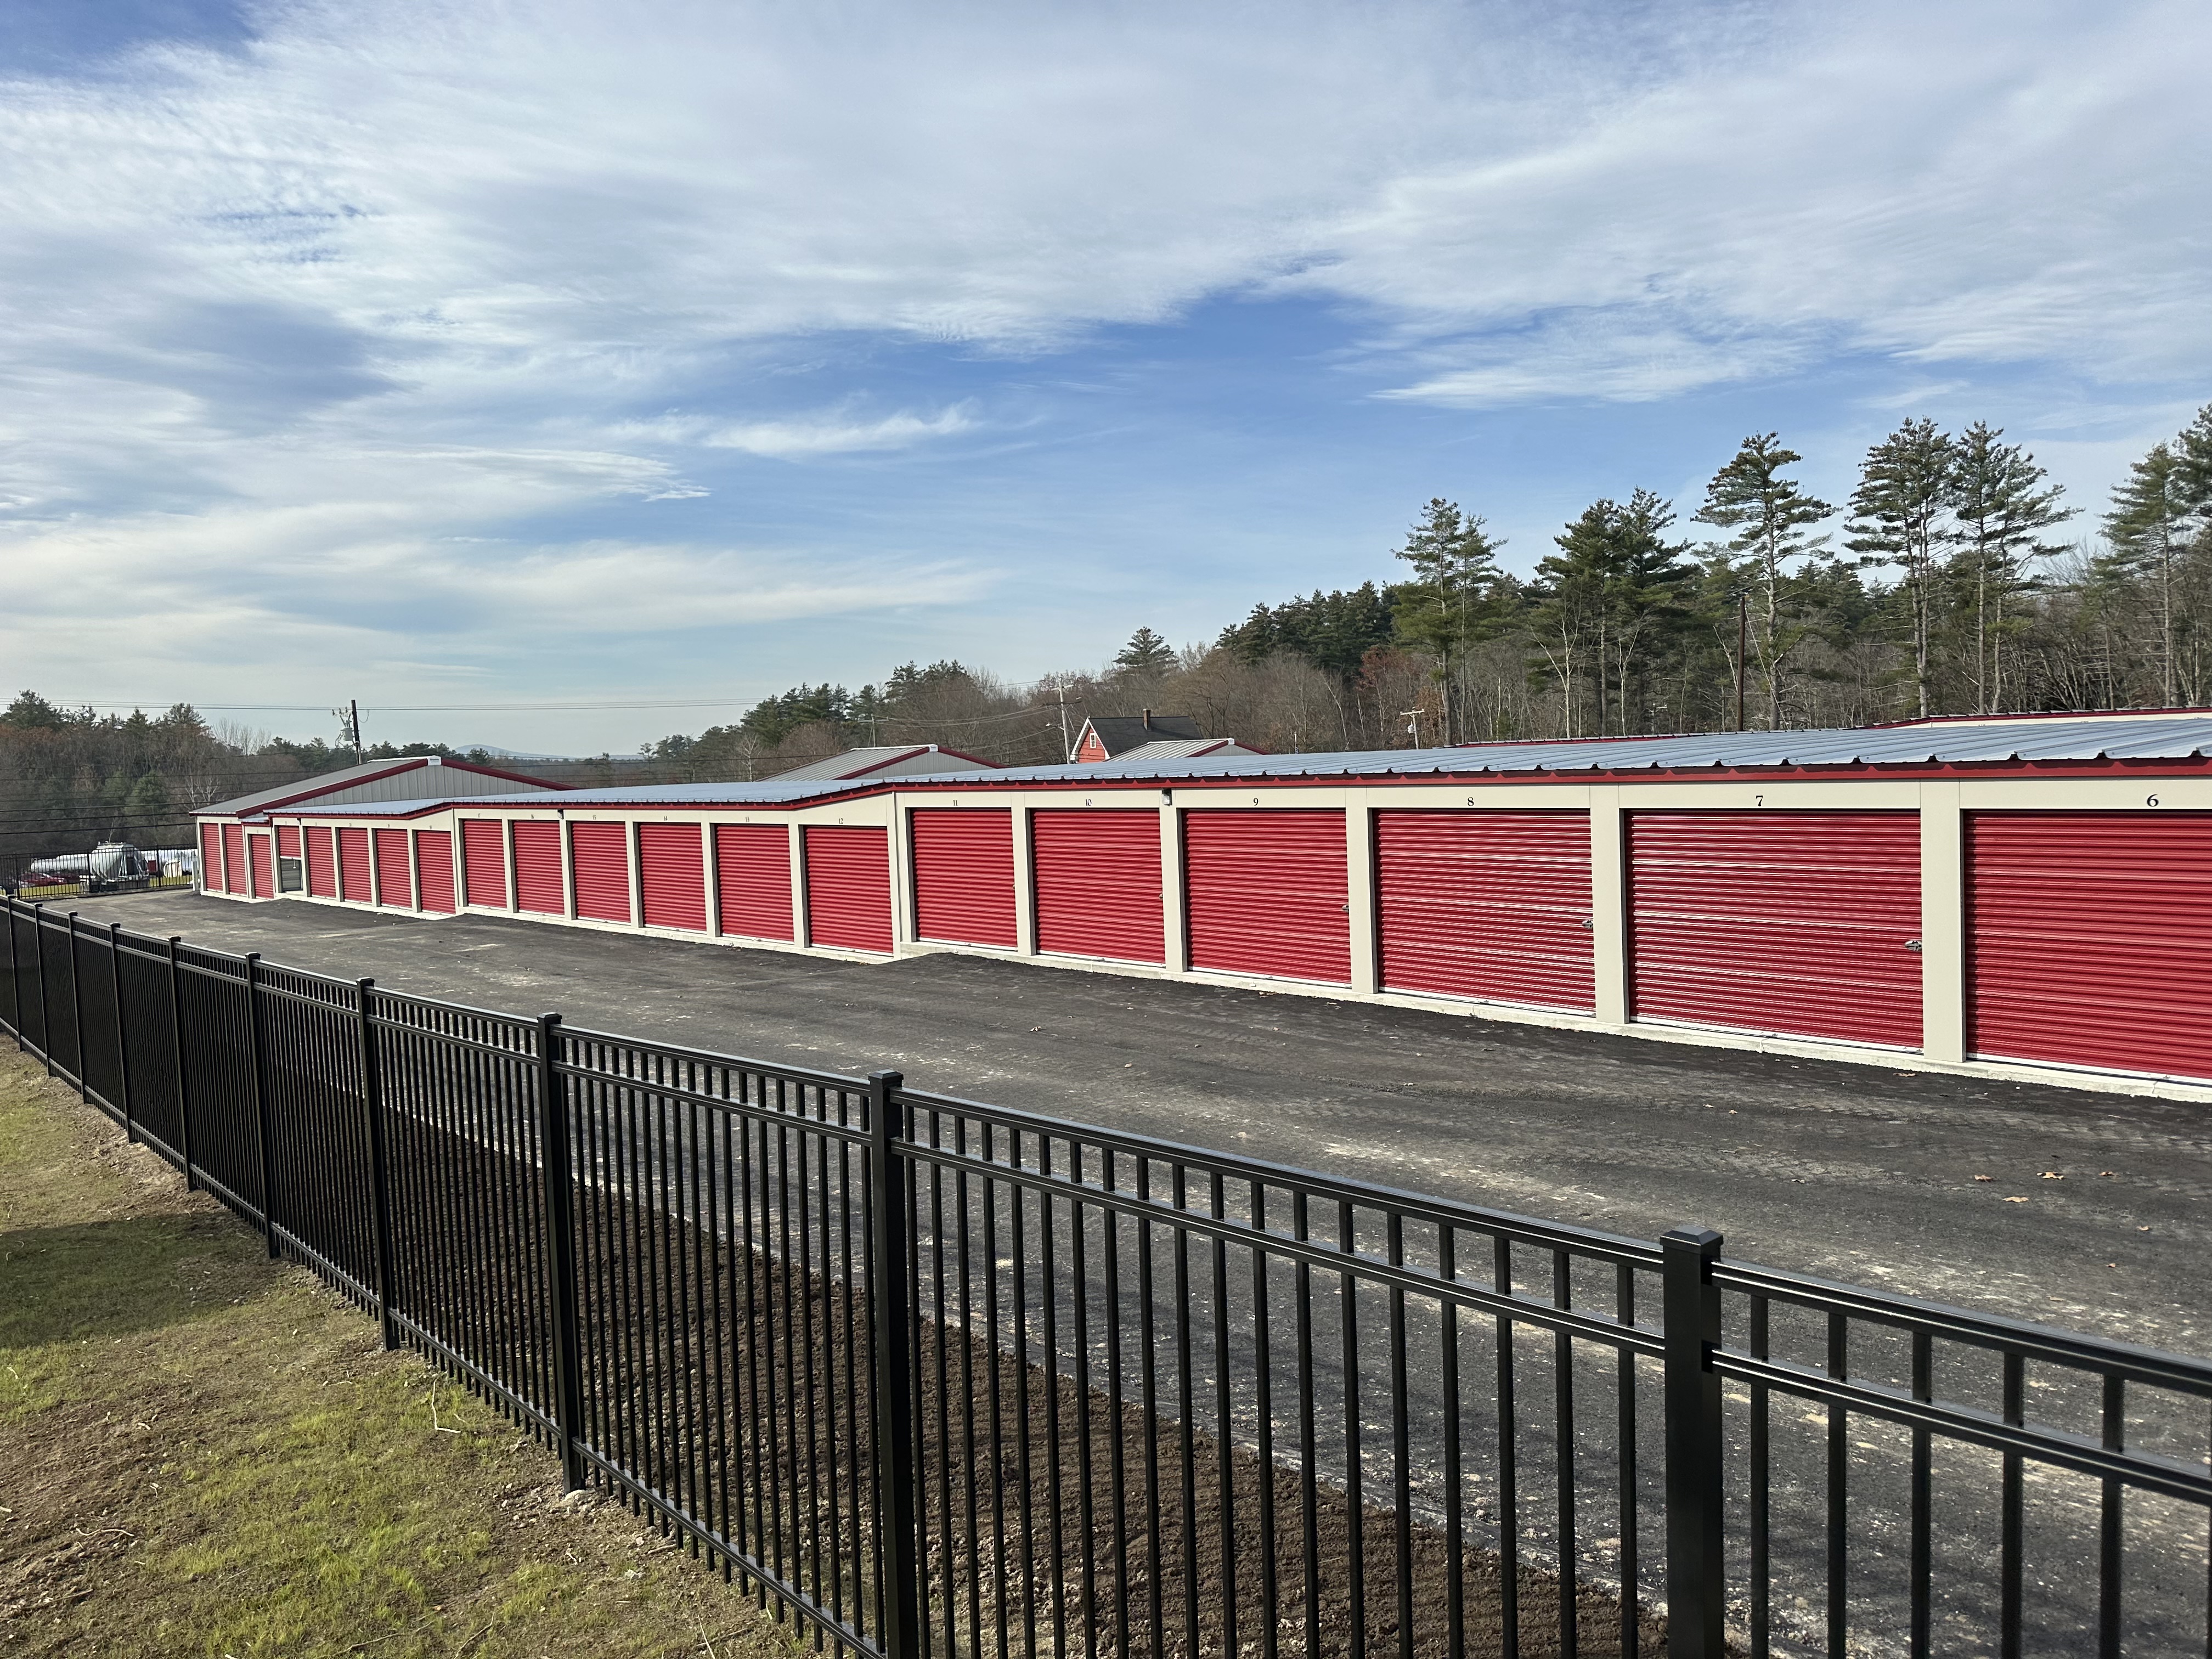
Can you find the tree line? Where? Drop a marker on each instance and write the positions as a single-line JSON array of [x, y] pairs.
[[1955, 579], [71, 778]]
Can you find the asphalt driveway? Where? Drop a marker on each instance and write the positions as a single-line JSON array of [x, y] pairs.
[[2063, 1206]]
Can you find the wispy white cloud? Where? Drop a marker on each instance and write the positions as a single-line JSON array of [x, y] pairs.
[[799, 438], [1907, 181], [1631, 355]]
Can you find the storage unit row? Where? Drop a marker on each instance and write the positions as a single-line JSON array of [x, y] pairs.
[[2080, 939]]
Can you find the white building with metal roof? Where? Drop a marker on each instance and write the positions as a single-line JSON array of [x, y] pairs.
[[2015, 896]]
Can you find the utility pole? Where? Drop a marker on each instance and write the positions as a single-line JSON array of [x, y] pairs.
[[1066, 742], [354, 706], [1412, 725], [1742, 640]]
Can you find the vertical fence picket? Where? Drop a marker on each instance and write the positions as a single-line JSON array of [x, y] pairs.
[[184, 1070], [122, 1045], [257, 1059], [890, 1294], [46, 1010], [561, 1239], [77, 1014], [379, 1173], [15, 980]]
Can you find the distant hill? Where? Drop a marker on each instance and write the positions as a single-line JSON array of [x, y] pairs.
[[498, 753]]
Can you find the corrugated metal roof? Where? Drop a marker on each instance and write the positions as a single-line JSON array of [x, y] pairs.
[[1181, 749], [361, 783], [884, 758], [2078, 738]]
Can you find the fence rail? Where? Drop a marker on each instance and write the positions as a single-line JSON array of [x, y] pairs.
[[937, 1377]]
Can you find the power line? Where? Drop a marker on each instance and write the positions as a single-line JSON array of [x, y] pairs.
[[65, 703]]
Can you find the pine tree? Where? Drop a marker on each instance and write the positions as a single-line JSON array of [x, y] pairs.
[[1607, 600], [2193, 448], [1147, 654], [1998, 509], [1333, 631], [1769, 514], [1905, 488], [1458, 599], [147, 811], [31, 712], [2157, 538]]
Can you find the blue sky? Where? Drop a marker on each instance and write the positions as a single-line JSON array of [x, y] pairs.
[[547, 351]]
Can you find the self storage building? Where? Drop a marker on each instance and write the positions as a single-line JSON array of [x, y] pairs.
[[246, 855], [2015, 896]]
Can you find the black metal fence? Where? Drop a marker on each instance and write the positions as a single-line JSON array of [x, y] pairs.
[[938, 1378]]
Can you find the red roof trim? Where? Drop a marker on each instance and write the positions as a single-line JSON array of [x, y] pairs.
[[2037, 714], [1878, 773]]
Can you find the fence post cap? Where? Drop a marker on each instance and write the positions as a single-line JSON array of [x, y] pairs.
[[1703, 1240], [888, 1080]]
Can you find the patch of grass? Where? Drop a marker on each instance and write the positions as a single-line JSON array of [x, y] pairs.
[[209, 1454]]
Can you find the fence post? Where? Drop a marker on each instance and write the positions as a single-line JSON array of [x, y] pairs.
[[1697, 1585], [561, 1240], [184, 1074], [898, 1539], [38, 967], [14, 978], [121, 1047], [261, 1100], [379, 1180], [76, 1013]]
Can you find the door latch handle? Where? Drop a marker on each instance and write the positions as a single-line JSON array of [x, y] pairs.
[[1912, 944]]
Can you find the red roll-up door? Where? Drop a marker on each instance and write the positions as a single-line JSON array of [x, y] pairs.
[[483, 854], [1483, 905], [1267, 892], [671, 874], [964, 875], [600, 855], [537, 868], [395, 879], [322, 870], [353, 865], [211, 857], [2089, 940], [434, 858], [849, 887], [1097, 875], [234, 859], [264, 865], [287, 840], [752, 873], [1799, 922]]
